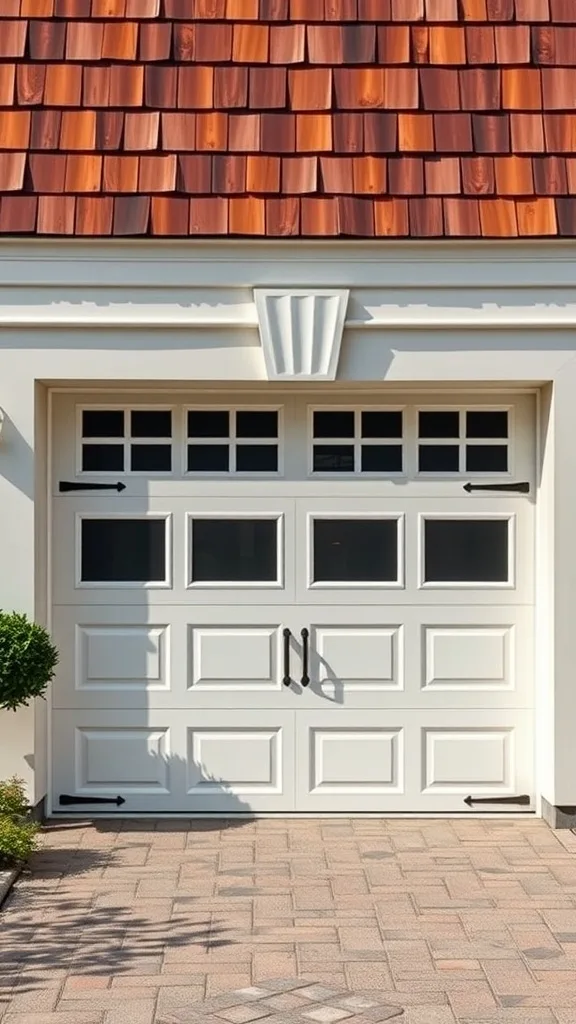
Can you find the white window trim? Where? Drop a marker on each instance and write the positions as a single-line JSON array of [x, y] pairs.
[[278, 584], [165, 584], [462, 441], [511, 582], [398, 584], [126, 440], [357, 442], [231, 442]]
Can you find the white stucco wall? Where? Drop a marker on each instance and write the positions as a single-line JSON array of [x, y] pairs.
[[165, 313]]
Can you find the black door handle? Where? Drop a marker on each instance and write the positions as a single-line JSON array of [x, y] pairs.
[[287, 637], [305, 677]]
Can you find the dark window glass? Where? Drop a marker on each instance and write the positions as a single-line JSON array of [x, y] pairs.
[[257, 458], [487, 458], [355, 550], [234, 550], [382, 458], [153, 423], [102, 458], [439, 424], [104, 423], [151, 458], [466, 551], [333, 458], [487, 424], [333, 424], [381, 424], [123, 550], [438, 458], [208, 423], [257, 424], [208, 458]]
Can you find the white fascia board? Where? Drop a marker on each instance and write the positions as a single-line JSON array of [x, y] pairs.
[[210, 285]]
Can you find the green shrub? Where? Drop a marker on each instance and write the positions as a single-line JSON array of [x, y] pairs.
[[18, 835], [28, 660], [18, 840], [13, 802]]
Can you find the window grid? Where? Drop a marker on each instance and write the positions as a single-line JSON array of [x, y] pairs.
[[126, 441], [357, 442], [463, 442], [233, 442]]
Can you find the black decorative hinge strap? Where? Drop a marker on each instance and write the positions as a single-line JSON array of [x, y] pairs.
[[523, 488], [522, 800], [68, 801], [65, 486]]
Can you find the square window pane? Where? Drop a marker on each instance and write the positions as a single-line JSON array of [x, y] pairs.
[[381, 424], [208, 458], [103, 423], [439, 424], [152, 423], [151, 458], [123, 550], [487, 458], [333, 424], [256, 424], [234, 551], [438, 458], [466, 550], [333, 458], [382, 458], [103, 458], [355, 551], [257, 458], [208, 423], [487, 424]]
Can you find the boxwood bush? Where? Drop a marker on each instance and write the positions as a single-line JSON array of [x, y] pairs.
[[28, 661]]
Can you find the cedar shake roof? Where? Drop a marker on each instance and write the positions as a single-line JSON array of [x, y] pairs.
[[283, 118]]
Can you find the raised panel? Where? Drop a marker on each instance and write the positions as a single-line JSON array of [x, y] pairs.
[[468, 758], [238, 760], [365, 657], [225, 657], [469, 658], [122, 657], [109, 759], [355, 760]]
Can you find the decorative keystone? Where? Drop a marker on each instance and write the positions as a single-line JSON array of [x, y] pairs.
[[301, 331]]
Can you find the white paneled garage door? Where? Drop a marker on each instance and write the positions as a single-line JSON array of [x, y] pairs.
[[293, 604]]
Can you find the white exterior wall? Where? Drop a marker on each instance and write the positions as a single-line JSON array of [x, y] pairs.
[[178, 313]]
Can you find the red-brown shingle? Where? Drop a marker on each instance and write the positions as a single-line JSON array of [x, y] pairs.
[[319, 118]]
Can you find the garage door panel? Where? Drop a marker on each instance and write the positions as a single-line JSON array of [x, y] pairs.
[[194, 551], [448, 657], [235, 762], [170, 657], [409, 760]]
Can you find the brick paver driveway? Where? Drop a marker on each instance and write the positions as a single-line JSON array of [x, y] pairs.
[[138, 922]]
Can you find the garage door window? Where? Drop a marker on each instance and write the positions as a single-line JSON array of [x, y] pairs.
[[226, 441], [135, 441], [125, 552], [458, 441], [355, 551], [230, 551], [467, 551], [357, 441]]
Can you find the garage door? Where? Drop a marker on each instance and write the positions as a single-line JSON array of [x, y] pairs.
[[320, 603]]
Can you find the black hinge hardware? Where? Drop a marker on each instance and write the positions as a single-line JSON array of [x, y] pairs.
[[65, 487], [522, 488], [67, 801], [523, 800]]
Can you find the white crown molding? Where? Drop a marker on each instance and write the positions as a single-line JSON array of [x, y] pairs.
[[301, 331]]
